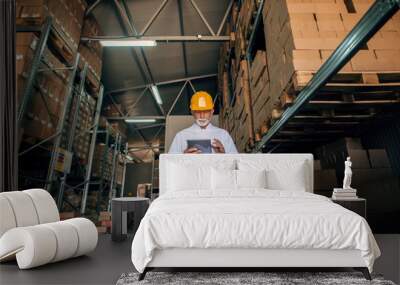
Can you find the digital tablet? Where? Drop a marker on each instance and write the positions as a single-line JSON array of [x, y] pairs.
[[203, 145]]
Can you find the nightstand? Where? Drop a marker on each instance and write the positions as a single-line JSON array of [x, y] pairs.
[[357, 205], [119, 215]]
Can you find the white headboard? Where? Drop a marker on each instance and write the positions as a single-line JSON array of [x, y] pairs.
[[210, 159]]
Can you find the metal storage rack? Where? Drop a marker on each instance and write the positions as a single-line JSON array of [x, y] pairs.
[[84, 171], [53, 177], [371, 22], [103, 186], [28, 92]]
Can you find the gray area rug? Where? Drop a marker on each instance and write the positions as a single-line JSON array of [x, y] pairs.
[[233, 278]]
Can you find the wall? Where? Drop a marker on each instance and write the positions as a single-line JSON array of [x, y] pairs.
[[386, 136], [175, 124], [136, 173]]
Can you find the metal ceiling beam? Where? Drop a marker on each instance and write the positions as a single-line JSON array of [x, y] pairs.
[[130, 31], [162, 38], [153, 18], [92, 7], [163, 83], [151, 126], [177, 98], [228, 10], [182, 29], [116, 106], [136, 118], [131, 108], [146, 63], [129, 28], [137, 149], [191, 85], [370, 23], [202, 17], [125, 27]]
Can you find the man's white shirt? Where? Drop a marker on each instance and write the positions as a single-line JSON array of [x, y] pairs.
[[195, 132]]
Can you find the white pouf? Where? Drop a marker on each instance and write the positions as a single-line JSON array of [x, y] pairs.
[[33, 246], [31, 230], [87, 234]]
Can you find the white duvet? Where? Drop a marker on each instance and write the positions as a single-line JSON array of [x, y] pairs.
[[253, 218]]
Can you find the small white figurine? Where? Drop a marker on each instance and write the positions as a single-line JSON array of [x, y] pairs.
[[347, 174]]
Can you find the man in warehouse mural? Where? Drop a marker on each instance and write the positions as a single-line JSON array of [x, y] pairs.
[[202, 136]]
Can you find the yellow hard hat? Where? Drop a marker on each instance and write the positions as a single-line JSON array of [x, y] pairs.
[[201, 101]]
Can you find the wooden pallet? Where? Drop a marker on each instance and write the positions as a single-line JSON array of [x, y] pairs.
[[345, 80], [347, 89]]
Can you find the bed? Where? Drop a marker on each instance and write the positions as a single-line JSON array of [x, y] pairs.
[[246, 211]]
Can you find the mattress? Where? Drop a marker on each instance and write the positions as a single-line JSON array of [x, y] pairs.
[[251, 219]]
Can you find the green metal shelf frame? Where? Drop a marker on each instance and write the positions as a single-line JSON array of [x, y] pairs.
[[370, 23], [28, 93], [92, 148], [113, 143], [124, 170], [250, 44], [113, 185], [45, 31], [37, 57], [93, 129], [72, 130]]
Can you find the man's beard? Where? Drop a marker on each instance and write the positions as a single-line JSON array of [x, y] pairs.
[[202, 122]]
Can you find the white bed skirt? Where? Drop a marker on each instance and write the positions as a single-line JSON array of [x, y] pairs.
[[189, 257]]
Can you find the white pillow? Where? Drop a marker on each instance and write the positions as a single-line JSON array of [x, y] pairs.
[[189, 173], [223, 179], [292, 179], [251, 178], [183, 177], [291, 175]]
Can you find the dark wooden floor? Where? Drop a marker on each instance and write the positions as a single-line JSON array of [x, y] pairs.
[[103, 266]]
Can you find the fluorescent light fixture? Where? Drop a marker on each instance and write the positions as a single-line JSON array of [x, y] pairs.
[[130, 158], [140, 120], [156, 94], [128, 43]]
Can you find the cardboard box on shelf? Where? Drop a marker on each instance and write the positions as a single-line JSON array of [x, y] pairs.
[[104, 216], [67, 16]]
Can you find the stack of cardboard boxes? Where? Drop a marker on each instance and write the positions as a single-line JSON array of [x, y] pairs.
[[85, 121], [300, 36], [67, 20], [246, 15], [104, 223], [259, 79], [91, 52], [102, 162], [242, 110], [119, 169], [48, 95]]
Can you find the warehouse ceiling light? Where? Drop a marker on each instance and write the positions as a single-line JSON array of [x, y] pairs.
[[140, 121], [128, 43], [156, 94]]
